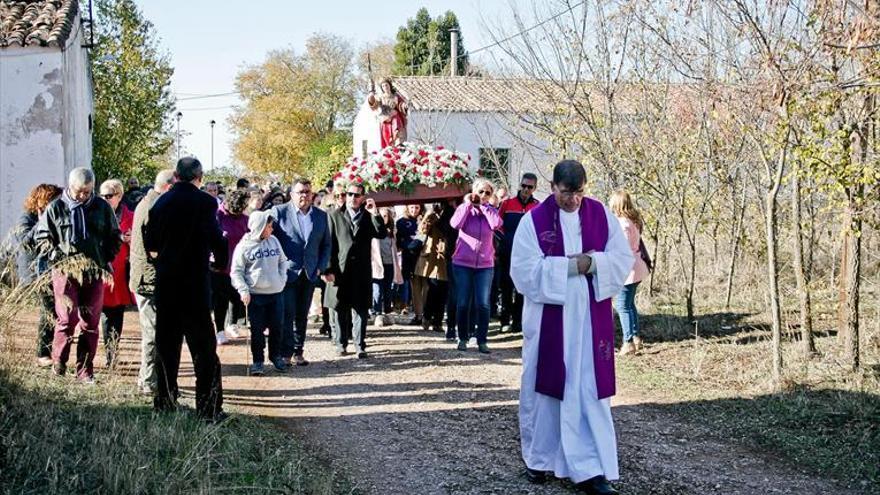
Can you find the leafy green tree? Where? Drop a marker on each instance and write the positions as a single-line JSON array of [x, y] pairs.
[[423, 46], [133, 102]]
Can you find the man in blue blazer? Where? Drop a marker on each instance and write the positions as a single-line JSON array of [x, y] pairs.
[[305, 237]]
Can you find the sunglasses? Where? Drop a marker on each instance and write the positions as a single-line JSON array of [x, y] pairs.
[[485, 193], [354, 194], [526, 186]]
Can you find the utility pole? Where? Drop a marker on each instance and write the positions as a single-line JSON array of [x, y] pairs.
[[212, 143], [179, 115]]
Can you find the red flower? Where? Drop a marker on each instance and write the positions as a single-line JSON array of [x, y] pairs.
[[359, 179], [457, 175], [350, 176], [423, 153], [395, 179], [337, 176], [426, 173], [394, 172], [439, 174], [440, 147]]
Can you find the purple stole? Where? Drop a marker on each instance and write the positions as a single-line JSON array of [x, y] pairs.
[[550, 378]]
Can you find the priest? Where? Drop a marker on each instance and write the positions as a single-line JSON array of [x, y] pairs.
[[569, 258]]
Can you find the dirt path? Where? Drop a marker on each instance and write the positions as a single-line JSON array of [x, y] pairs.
[[421, 417]]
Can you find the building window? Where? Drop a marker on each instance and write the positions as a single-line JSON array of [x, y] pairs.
[[364, 148], [495, 164]]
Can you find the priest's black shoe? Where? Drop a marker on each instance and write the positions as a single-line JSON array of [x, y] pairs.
[[597, 486], [535, 476]]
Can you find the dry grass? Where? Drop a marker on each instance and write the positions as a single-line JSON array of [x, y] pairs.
[[58, 436], [717, 371]]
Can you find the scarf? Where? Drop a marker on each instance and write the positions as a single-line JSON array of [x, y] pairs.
[[550, 378], [77, 216]]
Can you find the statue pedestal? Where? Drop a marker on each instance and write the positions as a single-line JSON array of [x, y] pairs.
[[420, 195]]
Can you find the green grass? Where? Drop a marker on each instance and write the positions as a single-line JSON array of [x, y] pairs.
[[57, 436]]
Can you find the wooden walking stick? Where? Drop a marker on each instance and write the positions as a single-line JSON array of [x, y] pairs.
[[247, 319]]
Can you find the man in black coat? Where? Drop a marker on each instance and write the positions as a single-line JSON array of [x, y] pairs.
[[182, 234], [350, 275]]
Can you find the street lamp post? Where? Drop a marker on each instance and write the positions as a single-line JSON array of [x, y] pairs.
[[179, 115], [212, 143]]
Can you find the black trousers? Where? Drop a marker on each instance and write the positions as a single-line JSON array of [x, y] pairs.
[[175, 320], [112, 327], [511, 300], [350, 325], [435, 304], [223, 295], [297, 299], [46, 326]]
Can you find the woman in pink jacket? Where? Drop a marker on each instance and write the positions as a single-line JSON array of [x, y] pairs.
[[631, 222], [473, 263]]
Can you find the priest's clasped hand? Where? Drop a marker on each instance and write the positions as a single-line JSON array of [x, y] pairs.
[[584, 261]]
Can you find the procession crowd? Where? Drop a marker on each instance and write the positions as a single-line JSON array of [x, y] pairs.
[[209, 263]]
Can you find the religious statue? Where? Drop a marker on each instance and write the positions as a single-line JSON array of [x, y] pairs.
[[391, 108]]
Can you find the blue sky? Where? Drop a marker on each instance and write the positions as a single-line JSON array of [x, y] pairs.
[[209, 41]]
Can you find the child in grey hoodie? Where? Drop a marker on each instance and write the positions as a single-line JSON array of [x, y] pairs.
[[259, 273]]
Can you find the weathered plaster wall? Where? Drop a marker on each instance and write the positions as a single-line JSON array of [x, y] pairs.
[[31, 101], [45, 106]]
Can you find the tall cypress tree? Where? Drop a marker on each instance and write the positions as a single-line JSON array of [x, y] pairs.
[[423, 46]]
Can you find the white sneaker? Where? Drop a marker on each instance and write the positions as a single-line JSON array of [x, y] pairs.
[[221, 338], [232, 331]]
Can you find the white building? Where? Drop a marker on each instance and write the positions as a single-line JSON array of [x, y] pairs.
[[45, 99], [486, 118]]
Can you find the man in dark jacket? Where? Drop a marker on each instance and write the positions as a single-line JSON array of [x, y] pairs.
[[182, 233], [79, 235], [350, 273], [142, 282], [512, 210]]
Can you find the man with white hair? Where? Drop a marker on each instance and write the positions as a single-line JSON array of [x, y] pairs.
[[79, 235], [143, 282]]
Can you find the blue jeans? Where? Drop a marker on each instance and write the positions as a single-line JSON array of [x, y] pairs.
[[265, 311], [625, 304], [382, 302], [472, 287], [297, 301]]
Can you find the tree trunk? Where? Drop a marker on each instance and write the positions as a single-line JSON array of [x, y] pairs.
[[772, 272], [654, 261], [734, 252], [691, 280], [853, 281], [843, 277], [801, 275]]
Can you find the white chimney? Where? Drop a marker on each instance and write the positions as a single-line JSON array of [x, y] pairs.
[[453, 50]]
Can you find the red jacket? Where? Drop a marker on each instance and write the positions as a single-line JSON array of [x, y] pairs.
[[511, 212], [119, 294]]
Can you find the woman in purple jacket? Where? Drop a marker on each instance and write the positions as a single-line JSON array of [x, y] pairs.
[[234, 223], [473, 262]]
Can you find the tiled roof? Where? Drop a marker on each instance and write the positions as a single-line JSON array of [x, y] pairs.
[[476, 94], [36, 22]]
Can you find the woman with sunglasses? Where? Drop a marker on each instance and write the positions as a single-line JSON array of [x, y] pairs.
[[116, 295], [473, 261]]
